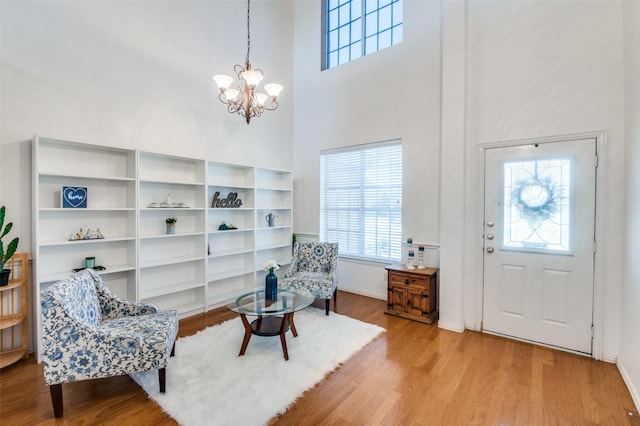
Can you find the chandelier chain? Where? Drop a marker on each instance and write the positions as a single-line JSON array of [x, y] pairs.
[[248, 33]]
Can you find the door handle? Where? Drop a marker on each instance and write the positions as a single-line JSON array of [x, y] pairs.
[[489, 250]]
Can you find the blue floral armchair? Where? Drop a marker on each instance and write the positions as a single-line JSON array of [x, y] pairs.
[[89, 332], [314, 270]]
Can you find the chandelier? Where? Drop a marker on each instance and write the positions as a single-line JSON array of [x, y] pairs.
[[244, 99]]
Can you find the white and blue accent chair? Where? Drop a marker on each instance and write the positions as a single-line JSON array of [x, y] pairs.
[[314, 270], [89, 332]]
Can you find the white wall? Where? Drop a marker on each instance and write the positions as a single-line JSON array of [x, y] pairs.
[[629, 361], [137, 74], [394, 93], [514, 70], [537, 69]]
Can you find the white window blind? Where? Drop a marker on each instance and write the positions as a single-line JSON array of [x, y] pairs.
[[361, 200]]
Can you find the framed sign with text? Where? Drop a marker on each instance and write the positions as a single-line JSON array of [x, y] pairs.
[[74, 197]]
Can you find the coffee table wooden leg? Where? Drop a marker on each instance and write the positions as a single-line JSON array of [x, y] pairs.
[[247, 334], [293, 326], [283, 337]]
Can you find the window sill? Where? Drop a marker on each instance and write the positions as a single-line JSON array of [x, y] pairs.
[[367, 261]]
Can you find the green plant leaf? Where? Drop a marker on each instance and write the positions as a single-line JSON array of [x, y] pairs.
[[7, 229], [13, 245], [11, 249]]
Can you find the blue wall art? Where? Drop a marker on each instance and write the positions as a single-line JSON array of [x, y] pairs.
[[74, 197]]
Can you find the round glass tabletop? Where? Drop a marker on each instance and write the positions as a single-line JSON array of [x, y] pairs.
[[254, 303]]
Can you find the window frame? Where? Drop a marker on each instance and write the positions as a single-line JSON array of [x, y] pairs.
[[363, 213], [325, 63]]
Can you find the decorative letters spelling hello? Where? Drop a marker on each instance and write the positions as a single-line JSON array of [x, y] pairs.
[[232, 201]]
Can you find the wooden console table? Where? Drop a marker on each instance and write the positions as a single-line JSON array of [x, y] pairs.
[[412, 293]]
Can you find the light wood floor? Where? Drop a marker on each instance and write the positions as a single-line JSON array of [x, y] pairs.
[[414, 374]]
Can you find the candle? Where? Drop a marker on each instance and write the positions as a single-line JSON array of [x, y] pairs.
[[410, 253], [409, 240], [421, 248]]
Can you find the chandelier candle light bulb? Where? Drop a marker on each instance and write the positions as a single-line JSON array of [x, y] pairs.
[[261, 98], [273, 89], [223, 81], [231, 95], [252, 77]]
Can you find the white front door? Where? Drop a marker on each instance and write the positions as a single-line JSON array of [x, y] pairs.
[[539, 242]]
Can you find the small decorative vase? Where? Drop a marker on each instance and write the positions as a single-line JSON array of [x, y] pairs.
[[270, 219], [171, 228], [271, 286]]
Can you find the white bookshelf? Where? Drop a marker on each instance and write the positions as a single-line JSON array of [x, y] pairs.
[[274, 195], [231, 252], [109, 174], [193, 270], [171, 266], [236, 256]]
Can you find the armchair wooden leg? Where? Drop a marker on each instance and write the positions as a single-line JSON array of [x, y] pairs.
[[56, 400], [173, 350], [327, 302], [162, 378]]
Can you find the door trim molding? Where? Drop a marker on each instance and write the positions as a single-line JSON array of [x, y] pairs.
[[600, 268]]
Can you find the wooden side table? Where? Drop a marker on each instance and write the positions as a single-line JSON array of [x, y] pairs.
[[412, 293], [14, 312]]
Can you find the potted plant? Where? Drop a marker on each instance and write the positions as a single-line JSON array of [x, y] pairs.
[[11, 248], [171, 224]]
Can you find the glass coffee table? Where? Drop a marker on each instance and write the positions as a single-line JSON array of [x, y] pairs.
[[275, 317]]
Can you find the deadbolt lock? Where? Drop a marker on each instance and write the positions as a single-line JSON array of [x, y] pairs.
[[489, 250]]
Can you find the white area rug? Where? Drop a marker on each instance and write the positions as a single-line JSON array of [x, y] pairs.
[[209, 384]]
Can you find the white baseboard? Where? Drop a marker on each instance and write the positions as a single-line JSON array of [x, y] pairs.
[[363, 293], [451, 327], [472, 326], [635, 395]]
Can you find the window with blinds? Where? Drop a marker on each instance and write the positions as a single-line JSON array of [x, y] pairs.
[[361, 200]]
